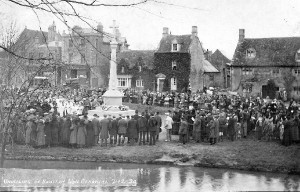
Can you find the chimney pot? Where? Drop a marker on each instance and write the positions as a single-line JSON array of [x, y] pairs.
[[165, 31], [241, 34], [194, 30]]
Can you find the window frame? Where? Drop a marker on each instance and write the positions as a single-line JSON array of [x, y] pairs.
[[139, 83], [252, 54], [174, 65], [247, 71], [121, 81], [175, 45]]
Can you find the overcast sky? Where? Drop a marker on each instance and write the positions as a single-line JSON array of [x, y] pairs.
[[218, 21]]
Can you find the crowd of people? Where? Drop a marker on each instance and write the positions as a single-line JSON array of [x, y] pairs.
[[60, 118]]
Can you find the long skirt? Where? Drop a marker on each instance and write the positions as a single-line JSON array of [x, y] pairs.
[[41, 137]]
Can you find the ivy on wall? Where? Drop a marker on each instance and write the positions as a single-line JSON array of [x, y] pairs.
[[163, 64]]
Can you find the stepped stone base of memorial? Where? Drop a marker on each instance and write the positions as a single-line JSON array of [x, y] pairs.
[[112, 110]]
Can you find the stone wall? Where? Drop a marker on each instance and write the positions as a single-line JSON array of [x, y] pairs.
[[197, 59]]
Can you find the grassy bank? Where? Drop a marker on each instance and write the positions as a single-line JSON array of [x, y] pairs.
[[244, 155]]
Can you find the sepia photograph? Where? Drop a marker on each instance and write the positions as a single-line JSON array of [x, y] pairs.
[[149, 95]]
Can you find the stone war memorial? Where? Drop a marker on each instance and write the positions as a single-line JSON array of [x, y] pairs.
[[112, 97]]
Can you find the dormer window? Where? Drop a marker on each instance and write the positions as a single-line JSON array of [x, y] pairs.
[[175, 46], [297, 56], [250, 53], [174, 65], [122, 70]]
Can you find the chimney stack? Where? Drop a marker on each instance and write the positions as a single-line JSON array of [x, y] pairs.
[[194, 31], [165, 31], [241, 34]]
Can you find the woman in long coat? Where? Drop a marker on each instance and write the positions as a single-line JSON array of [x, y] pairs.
[[132, 130], [73, 132], [54, 130], [212, 134], [259, 128], [287, 136], [29, 129], [105, 125], [197, 129], [65, 132], [47, 130], [90, 138], [81, 134], [183, 129], [40, 133]]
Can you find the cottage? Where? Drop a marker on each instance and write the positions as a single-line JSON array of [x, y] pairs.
[[266, 66], [179, 62]]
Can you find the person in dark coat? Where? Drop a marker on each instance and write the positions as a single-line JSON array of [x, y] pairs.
[[287, 133], [54, 130], [142, 124], [197, 128], [96, 127], [65, 132], [159, 123], [183, 129], [230, 127], [147, 116], [132, 131], [113, 131], [90, 137], [152, 124], [104, 127], [122, 128], [81, 134], [47, 130]]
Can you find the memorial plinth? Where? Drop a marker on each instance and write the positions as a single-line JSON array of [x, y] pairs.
[[112, 98]]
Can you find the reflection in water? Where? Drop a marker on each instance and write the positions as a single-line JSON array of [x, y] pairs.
[[166, 178]]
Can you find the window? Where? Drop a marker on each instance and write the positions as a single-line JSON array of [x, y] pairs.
[[174, 65], [297, 89], [31, 57], [211, 77], [297, 71], [140, 68], [82, 58], [70, 57], [247, 71], [175, 47], [297, 56], [276, 71], [122, 82], [139, 83], [82, 42], [173, 84], [250, 53], [73, 73], [70, 43], [122, 70]]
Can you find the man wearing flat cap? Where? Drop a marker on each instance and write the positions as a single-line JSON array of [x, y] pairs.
[[96, 127]]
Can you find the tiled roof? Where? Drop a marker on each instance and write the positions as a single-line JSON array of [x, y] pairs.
[[208, 67], [166, 43], [269, 52], [132, 57], [217, 59], [30, 35]]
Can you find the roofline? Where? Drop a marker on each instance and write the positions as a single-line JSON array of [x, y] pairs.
[[270, 38], [265, 65]]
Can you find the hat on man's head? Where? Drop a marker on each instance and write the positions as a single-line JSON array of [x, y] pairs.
[[167, 114], [95, 115]]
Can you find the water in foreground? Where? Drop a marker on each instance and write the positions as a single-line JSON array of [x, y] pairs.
[[92, 176]]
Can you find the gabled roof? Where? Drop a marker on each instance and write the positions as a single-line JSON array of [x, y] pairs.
[[30, 35], [209, 68], [269, 52], [166, 43], [132, 57], [217, 59]]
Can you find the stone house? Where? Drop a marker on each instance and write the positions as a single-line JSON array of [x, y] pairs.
[[134, 70], [86, 52], [263, 66], [179, 62], [41, 52]]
